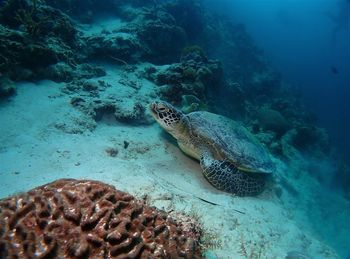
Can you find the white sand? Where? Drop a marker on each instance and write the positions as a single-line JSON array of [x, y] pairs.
[[34, 152]]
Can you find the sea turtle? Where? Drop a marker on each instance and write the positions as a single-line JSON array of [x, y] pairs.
[[231, 158]]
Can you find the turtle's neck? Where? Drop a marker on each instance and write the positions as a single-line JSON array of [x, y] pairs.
[[182, 131]]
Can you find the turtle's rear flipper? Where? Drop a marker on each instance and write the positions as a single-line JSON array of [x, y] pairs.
[[225, 176]]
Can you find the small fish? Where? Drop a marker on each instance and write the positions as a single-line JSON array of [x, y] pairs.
[[334, 70]]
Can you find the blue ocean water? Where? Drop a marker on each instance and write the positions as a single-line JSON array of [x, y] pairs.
[[76, 82], [308, 42]]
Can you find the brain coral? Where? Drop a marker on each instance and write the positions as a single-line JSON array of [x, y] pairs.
[[88, 219]]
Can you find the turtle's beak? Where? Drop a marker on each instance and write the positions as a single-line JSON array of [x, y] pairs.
[[153, 109]]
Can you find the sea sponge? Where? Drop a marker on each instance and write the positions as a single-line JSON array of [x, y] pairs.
[[89, 219]]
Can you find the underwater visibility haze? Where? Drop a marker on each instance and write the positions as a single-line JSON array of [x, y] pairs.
[[174, 129], [308, 43]]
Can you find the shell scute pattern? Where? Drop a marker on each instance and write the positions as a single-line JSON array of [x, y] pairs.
[[229, 140]]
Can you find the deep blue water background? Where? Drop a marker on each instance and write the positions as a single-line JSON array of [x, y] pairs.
[[298, 38], [312, 52]]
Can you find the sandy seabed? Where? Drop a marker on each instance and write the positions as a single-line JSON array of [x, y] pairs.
[[148, 164]]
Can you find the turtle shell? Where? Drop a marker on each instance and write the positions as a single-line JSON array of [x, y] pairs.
[[228, 139]]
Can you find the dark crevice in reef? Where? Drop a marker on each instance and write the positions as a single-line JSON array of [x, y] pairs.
[[103, 112]]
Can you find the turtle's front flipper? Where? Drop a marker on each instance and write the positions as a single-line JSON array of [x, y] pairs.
[[225, 176]]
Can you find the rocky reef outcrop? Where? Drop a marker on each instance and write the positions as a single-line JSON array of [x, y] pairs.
[[7, 88], [273, 120], [193, 57], [89, 219], [195, 75], [34, 36]]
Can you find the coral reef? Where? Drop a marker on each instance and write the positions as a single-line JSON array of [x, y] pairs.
[[151, 34], [88, 219], [162, 36], [195, 76], [195, 58], [45, 37]]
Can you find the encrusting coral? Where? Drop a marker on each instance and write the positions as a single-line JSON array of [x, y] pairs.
[[89, 219]]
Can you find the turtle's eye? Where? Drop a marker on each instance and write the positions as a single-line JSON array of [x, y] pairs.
[[163, 109]]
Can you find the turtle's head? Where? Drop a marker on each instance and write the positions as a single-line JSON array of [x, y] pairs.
[[167, 116]]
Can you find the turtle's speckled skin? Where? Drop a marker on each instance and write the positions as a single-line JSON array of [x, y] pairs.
[[231, 158]]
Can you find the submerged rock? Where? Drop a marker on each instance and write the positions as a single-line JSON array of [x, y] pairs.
[[270, 119], [309, 138], [119, 47], [63, 72], [299, 141], [111, 110], [7, 88]]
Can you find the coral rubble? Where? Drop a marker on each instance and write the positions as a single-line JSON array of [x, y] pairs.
[[89, 219]]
